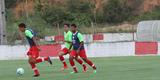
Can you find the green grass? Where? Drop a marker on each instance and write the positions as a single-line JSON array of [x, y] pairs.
[[113, 68]]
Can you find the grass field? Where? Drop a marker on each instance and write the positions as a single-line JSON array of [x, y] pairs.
[[113, 68]]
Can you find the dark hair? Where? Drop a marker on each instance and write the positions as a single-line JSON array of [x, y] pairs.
[[22, 25], [74, 25], [67, 24]]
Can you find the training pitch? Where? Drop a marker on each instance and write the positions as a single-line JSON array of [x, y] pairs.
[[108, 68]]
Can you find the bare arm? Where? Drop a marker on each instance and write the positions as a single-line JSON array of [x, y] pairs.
[[68, 41], [80, 37], [81, 44], [35, 41], [70, 46]]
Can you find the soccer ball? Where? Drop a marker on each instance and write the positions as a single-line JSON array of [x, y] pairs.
[[20, 71]]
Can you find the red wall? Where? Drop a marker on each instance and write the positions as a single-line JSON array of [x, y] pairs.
[[143, 48], [50, 50]]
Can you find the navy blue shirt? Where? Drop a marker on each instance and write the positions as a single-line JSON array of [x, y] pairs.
[[77, 38], [29, 33]]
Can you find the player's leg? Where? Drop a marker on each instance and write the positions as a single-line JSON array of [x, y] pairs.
[[64, 51], [89, 62], [81, 63], [35, 54], [71, 60], [41, 59], [32, 62], [83, 55], [33, 59]]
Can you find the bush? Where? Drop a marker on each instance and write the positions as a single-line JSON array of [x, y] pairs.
[[74, 12], [152, 15], [116, 12], [35, 22], [53, 15], [10, 3]]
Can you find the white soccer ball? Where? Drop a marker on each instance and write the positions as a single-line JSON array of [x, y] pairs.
[[20, 71]]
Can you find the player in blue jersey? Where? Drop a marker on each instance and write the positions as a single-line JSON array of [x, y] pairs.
[[78, 49]]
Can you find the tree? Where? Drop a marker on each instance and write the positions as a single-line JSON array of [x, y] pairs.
[[116, 12], [10, 3]]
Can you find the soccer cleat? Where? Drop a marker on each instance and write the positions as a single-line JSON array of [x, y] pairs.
[[36, 75], [94, 71], [73, 72], [49, 60], [65, 67], [85, 68]]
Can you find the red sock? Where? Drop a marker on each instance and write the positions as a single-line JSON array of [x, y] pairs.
[[75, 69], [36, 72], [73, 65], [94, 67], [34, 68], [46, 58], [63, 61], [41, 59], [80, 62], [90, 63]]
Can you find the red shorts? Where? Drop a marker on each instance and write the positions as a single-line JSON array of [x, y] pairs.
[[65, 50], [82, 53], [33, 52]]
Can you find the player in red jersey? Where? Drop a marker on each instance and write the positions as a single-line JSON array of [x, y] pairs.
[[33, 53]]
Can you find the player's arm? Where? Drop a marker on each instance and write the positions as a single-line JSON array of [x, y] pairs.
[[80, 37], [68, 41], [35, 40], [70, 47]]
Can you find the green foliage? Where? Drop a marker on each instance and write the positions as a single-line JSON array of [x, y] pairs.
[[39, 25], [46, 17], [99, 18], [116, 12], [53, 15], [35, 22], [152, 15], [11, 27], [75, 12], [76, 6], [80, 12], [10, 3]]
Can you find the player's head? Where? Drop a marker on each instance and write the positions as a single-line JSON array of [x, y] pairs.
[[74, 27], [66, 26], [22, 27]]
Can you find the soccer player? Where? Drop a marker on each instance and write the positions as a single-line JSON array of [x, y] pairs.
[[33, 53], [66, 49], [78, 49]]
